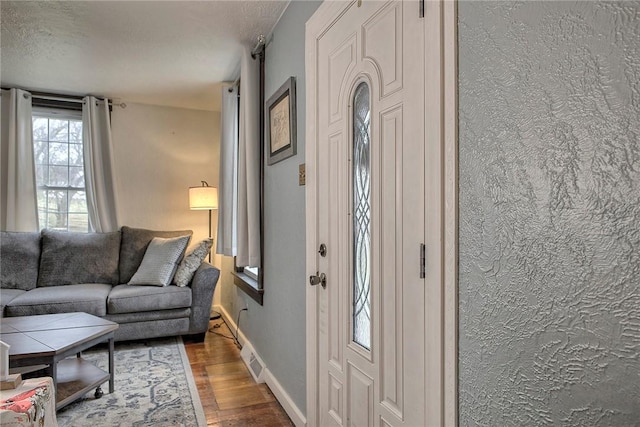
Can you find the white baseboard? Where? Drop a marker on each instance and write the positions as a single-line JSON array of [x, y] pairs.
[[284, 399], [297, 417]]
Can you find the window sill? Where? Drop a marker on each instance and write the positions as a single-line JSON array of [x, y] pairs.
[[249, 286]]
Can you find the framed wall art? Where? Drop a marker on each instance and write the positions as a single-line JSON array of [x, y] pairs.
[[281, 123]]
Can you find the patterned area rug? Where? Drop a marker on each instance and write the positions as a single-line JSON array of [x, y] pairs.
[[154, 386]]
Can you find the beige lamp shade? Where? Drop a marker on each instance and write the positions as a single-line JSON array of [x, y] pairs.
[[203, 198]]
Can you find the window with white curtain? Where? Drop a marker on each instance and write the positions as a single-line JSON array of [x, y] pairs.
[[241, 169], [58, 156], [248, 277]]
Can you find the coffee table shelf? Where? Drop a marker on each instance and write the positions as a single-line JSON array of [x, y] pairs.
[[76, 377]]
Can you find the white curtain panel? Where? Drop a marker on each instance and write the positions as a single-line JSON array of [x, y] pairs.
[[19, 207], [228, 181], [249, 163], [98, 165]]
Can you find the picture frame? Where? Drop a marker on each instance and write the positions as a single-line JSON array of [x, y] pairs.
[[280, 120]]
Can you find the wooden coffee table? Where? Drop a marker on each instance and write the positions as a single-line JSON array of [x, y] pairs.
[[50, 339]]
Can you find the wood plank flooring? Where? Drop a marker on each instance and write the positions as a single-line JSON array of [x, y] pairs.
[[229, 395]]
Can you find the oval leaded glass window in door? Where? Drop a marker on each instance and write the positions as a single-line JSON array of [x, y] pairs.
[[361, 217]]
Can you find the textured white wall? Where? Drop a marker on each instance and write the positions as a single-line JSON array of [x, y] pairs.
[[159, 152], [549, 213]]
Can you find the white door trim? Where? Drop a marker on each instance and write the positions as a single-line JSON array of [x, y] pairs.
[[450, 181], [322, 19]]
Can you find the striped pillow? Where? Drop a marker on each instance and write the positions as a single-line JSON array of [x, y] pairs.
[[160, 261]]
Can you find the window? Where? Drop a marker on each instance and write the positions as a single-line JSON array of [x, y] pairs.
[[240, 216], [249, 279], [251, 272], [58, 153]]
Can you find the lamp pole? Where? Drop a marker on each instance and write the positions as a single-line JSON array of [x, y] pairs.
[[210, 236]]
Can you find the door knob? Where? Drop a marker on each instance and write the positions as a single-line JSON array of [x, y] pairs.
[[318, 280]]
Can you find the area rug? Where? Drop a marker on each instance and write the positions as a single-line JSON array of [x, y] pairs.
[[154, 386]]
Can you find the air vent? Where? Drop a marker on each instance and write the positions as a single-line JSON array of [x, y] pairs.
[[253, 362], [255, 366]]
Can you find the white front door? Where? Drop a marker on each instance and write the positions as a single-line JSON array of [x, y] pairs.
[[374, 202]]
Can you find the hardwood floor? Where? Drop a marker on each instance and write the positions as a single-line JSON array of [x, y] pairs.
[[229, 394]]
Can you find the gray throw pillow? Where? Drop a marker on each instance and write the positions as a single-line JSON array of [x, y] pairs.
[[191, 262], [134, 244], [160, 261]]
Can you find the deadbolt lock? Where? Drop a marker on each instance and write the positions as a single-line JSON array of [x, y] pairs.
[[323, 250]]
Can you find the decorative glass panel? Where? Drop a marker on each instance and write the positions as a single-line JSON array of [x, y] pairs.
[[361, 217]]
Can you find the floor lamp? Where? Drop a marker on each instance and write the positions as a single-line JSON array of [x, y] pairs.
[[205, 198]]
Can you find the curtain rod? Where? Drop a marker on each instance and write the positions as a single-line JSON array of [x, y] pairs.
[[260, 45], [235, 84], [74, 99], [256, 51], [71, 99]]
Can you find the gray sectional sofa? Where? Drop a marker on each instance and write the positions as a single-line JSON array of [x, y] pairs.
[[58, 272]]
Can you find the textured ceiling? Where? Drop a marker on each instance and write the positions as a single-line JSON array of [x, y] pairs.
[[173, 53]]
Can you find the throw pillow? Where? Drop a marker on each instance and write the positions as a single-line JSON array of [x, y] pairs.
[[191, 262], [134, 244], [160, 261]]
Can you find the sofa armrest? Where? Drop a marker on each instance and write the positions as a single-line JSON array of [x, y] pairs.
[[202, 286]]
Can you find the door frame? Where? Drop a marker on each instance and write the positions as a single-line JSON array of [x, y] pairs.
[[444, 14]]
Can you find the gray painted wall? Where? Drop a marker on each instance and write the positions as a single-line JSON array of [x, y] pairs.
[[277, 329], [549, 285]]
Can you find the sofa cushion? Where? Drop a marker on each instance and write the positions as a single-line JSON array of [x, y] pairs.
[[19, 260], [8, 295], [90, 298], [160, 261], [191, 262], [71, 258], [134, 245], [134, 298]]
